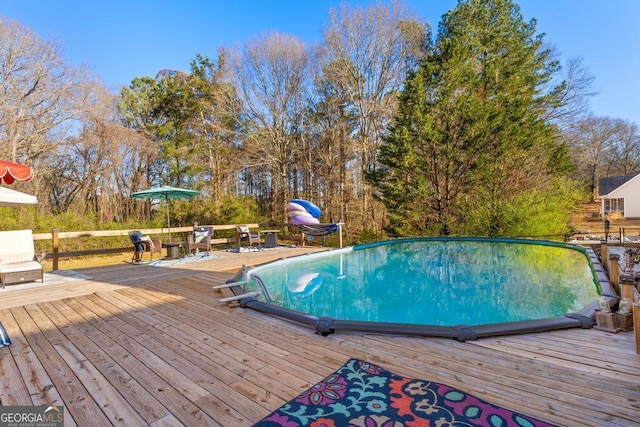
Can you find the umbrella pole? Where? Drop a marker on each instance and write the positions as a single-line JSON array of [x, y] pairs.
[[166, 198]]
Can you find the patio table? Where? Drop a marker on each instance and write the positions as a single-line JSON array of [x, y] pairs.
[[270, 238], [173, 249]]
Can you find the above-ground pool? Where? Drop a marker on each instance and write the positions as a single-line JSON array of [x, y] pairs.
[[462, 288]]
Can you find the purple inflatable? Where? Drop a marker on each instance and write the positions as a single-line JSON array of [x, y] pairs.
[[303, 212]]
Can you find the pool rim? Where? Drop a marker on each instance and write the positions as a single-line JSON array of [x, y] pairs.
[[583, 318]]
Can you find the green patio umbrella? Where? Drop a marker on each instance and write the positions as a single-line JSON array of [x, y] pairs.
[[166, 193]]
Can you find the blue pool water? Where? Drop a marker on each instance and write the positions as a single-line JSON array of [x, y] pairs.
[[441, 282]]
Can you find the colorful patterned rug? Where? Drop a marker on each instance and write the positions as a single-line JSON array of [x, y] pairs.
[[362, 394]]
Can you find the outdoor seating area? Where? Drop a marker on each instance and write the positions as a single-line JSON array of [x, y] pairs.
[[200, 239], [17, 258], [143, 244], [246, 237], [197, 240], [308, 232]]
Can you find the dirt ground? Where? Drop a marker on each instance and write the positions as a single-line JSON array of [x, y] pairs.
[[589, 221]]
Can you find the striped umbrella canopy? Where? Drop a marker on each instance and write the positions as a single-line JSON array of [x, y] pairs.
[[11, 172]]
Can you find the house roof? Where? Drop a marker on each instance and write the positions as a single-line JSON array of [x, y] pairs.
[[609, 184]]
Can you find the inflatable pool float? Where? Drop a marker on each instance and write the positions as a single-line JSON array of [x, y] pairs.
[[303, 212]]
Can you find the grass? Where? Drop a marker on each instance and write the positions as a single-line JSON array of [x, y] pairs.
[[88, 261], [587, 219], [111, 259]]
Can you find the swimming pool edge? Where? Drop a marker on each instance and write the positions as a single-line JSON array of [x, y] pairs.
[[326, 325]]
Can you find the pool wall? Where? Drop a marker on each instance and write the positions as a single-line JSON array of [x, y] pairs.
[[327, 325]]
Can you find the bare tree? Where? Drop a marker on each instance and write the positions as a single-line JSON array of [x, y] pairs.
[[95, 171], [40, 96], [371, 51], [332, 128], [273, 80], [572, 89], [216, 125], [623, 156], [602, 147]]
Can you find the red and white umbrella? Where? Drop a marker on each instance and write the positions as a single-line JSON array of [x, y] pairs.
[[11, 172]]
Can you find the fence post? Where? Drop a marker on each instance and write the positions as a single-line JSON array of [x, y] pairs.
[[627, 283], [614, 274], [54, 244]]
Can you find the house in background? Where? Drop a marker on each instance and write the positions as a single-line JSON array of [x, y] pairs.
[[620, 194]]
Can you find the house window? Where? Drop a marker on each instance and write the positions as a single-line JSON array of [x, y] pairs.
[[613, 206]]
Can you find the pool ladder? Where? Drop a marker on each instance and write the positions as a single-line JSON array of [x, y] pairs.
[[248, 294]]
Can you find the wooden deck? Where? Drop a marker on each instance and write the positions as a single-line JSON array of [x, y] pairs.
[[138, 345]]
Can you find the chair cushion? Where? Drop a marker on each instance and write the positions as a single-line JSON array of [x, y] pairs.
[[200, 236], [16, 258], [21, 266], [16, 246], [243, 229]]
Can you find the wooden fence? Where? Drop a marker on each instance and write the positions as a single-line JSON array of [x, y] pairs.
[[56, 235]]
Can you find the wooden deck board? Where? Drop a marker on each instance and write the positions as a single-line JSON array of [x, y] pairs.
[[139, 345], [239, 340], [34, 378], [474, 368], [13, 389], [157, 376], [146, 406], [77, 399], [196, 382], [115, 407]]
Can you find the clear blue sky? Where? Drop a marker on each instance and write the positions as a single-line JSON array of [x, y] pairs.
[[123, 39]]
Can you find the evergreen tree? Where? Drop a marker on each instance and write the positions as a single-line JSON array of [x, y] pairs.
[[469, 151]]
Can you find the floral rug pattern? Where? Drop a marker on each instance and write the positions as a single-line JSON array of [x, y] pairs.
[[361, 394]]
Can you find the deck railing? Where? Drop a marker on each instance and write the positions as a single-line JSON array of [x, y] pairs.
[[56, 235]]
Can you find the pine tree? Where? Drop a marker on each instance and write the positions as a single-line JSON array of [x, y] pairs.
[[469, 151]]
